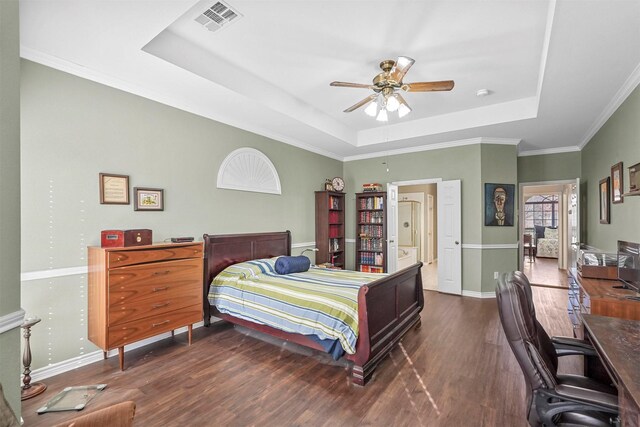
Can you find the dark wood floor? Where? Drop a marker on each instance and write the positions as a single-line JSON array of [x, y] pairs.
[[457, 370], [545, 272]]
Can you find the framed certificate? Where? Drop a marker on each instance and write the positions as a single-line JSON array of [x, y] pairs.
[[114, 189]]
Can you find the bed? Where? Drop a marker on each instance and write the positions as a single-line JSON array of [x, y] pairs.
[[387, 308], [547, 242]]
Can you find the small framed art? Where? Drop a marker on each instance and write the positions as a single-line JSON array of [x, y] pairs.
[[604, 201], [617, 184], [148, 199], [114, 189]]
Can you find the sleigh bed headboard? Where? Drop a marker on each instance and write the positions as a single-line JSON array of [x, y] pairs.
[[223, 250]]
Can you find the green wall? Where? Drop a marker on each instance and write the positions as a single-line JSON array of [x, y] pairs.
[[500, 166], [73, 129], [549, 167], [617, 141], [10, 198], [468, 164]]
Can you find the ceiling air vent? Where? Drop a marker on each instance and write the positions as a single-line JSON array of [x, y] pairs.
[[218, 16]]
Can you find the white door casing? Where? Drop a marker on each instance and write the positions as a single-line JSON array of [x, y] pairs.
[[430, 229], [573, 224], [392, 228], [449, 238]]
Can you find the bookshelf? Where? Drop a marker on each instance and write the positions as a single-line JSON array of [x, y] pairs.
[[330, 228], [371, 232]]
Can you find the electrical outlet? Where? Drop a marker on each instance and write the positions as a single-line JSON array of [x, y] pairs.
[[495, 274]]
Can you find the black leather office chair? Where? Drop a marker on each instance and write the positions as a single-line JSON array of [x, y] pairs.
[[553, 400]]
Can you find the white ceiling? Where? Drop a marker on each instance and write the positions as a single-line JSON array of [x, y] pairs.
[[556, 69]]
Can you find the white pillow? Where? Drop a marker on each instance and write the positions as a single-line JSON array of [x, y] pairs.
[[550, 233]]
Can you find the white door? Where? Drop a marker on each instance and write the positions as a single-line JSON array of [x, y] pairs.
[[573, 235], [392, 228], [449, 238]]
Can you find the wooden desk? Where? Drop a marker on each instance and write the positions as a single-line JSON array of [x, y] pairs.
[[617, 342], [598, 296]]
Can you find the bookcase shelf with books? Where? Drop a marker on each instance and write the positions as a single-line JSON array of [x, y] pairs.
[[371, 232], [330, 228]]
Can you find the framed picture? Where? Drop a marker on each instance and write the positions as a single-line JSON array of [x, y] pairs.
[[114, 189], [604, 201], [148, 199], [617, 184], [499, 202]]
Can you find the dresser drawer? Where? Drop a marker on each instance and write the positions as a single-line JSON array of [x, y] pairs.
[[141, 281], [129, 332], [151, 307], [132, 257]]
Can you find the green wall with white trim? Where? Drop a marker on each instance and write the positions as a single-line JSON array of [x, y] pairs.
[[73, 129], [618, 140], [10, 198]]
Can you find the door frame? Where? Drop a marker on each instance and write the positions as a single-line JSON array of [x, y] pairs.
[[420, 182], [521, 186]]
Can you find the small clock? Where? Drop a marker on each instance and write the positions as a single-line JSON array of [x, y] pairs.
[[338, 183]]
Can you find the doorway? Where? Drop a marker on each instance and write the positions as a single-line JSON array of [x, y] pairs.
[[417, 230], [544, 230]]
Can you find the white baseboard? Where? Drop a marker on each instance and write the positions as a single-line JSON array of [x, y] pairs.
[[476, 294], [96, 356]]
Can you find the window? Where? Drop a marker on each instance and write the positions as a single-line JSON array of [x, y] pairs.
[[541, 210]]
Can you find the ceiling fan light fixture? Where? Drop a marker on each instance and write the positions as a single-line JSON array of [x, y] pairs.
[[382, 115], [403, 110], [372, 109], [392, 103]]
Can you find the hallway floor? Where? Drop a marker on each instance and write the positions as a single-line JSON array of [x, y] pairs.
[[430, 276], [545, 271]]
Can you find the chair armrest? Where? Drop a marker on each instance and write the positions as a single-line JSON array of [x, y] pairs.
[[601, 401], [566, 346]]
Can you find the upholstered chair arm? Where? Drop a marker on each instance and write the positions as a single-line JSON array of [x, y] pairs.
[[566, 346]]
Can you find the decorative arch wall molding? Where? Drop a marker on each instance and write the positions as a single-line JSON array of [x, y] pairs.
[[247, 169]]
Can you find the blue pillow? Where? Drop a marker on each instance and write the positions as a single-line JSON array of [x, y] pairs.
[[539, 231], [292, 264]]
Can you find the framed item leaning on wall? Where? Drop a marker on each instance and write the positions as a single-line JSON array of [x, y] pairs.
[[604, 201], [617, 184], [499, 204], [148, 199], [114, 189]]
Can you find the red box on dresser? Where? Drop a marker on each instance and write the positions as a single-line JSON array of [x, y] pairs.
[[126, 238]]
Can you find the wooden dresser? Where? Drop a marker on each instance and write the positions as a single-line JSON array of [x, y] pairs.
[[141, 291]]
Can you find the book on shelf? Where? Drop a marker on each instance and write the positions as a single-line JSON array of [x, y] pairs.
[[376, 202], [334, 202], [371, 269]]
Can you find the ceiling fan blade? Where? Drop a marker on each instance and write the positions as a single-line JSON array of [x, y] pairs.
[[400, 68], [346, 84], [361, 103], [428, 86]]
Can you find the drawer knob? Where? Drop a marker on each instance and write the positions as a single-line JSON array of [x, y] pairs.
[[163, 288], [160, 273], [160, 305], [159, 323]]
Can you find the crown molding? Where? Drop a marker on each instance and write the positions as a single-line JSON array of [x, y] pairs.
[[570, 149], [627, 87], [436, 146]]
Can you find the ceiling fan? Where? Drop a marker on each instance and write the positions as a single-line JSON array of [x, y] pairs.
[[386, 85]]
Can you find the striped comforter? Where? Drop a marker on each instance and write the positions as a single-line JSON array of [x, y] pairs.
[[317, 302]]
